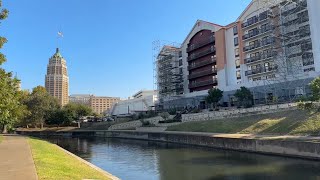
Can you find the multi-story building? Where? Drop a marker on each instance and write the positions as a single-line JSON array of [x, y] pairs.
[[57, 80], [169, 72], [102, 104], [80, 99], [273, 49]]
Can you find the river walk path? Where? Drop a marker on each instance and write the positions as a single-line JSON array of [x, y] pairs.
[[16, 160]]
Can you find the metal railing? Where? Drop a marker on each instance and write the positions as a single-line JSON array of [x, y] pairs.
[[200, 64], [261, 56], [255, 19], [201, 54], [202, 73], [261, 70], [203, 83], [260, 31], [200, 44]]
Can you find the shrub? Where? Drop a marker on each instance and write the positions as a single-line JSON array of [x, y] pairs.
[[309, 106], [195, 110], [146, 123], [170, 121], [173, 111], [165, 115]]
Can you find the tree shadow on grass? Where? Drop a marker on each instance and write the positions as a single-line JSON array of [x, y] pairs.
[[291, 121]]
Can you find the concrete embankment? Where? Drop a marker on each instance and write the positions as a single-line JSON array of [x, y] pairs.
[[294, 146]]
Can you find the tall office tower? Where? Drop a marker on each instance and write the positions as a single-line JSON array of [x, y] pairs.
[[57, 80]]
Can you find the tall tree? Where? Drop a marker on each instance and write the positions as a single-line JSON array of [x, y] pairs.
[[40, 104], [244, 97], [315, 88], [214, 96], [9, 92]]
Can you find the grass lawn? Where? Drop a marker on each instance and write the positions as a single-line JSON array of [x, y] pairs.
[[1, 138], [53, 163], [294, 122]]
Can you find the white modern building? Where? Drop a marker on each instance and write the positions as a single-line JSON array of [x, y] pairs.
[[142, 101]]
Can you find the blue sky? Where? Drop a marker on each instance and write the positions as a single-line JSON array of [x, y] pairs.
[[107, 43]]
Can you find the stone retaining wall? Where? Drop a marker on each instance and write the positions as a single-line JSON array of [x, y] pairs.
[[134, 124], [212, 115]]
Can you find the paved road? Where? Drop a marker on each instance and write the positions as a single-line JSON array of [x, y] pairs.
[[16, 160]]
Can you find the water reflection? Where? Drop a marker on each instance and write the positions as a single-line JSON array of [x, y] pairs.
[[143, 160]]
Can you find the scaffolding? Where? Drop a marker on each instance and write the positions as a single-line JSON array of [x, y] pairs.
[[167, 71], [290, 52]]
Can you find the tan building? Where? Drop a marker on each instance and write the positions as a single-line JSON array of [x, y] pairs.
[[57, 80], [100, 104]]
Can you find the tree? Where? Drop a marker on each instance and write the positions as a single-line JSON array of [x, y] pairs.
[[244, 97], [315, 88], [214, 96], [70, 112], [40, 104], [9, 92]]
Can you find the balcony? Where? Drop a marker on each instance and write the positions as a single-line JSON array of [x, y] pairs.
[[294, 7], [203, 83], [257, 33], [261, 57], [201, 44], [261, 70], [201, 64], [258, 45], [202, 73], [255, 20], [201, 54]]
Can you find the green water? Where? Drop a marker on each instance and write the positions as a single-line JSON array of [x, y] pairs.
[[143, 160]]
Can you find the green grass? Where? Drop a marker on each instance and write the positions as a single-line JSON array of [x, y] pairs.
[[294, 122], [53, 163], [1, 138]]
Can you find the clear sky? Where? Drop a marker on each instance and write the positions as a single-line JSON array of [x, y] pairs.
[[107, 43]]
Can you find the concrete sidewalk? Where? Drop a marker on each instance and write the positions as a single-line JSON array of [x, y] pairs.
[[16, 160]]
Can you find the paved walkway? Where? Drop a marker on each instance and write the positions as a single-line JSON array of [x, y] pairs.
[[16, 160]]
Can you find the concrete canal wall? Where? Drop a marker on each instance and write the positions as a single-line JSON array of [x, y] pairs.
[[292, 146]]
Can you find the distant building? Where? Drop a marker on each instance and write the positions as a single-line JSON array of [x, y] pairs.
[[142, 101], [57, 80], [80, 99], [101, 104], [143, 93]]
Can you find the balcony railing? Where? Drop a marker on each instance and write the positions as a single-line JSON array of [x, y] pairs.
[[258, 32], [201, 54], [255, 19], [200, 44], [202, 73], [262, 56], [203, 83], [261, 70], [259, 44], [200, 64]]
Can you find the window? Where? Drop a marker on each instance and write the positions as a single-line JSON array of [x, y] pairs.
[[235, 30], [237, 63], [238, 74], [236, 52], [236, 41], [266, 66], [180, 62], [180, 70]]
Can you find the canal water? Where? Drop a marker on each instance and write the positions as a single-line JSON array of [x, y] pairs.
[[143, 160]]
